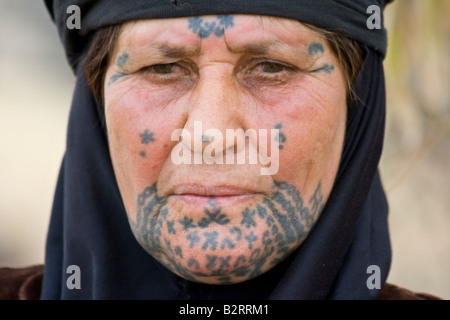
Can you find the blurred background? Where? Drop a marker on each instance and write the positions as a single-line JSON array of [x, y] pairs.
[[36, 87]]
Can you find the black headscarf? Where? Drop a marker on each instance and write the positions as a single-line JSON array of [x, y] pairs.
[[89, 226]]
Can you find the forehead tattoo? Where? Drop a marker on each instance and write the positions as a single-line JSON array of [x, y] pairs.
[[206, 27]]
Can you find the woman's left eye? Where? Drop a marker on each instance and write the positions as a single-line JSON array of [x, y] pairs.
[[271, 67]]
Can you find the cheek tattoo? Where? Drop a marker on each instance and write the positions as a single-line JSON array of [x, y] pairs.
[[263, 235], [146, 138], [280, 137]]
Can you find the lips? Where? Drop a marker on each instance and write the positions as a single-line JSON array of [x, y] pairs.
[[211, 191], [200, 195]]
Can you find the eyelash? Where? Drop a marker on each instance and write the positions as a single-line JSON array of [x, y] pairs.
[[254, 65], [162, 76], [248, 69]]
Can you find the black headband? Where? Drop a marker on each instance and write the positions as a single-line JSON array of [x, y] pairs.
[[361, 20]]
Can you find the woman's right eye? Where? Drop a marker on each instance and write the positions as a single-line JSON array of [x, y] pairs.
[[165, 68], [167, 72]]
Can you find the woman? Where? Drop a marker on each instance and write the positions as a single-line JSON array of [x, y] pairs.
[[158, 197]]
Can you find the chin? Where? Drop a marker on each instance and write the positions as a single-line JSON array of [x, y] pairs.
[[233, 266], [221, 254], [227, 240]]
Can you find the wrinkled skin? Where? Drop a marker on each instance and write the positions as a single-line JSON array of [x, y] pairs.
[[223, 223]]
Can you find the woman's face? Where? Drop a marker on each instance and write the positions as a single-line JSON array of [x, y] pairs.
[[188, 101]]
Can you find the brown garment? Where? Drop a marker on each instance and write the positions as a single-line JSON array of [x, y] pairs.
[[25, 284], [21, 283], [393, 292]]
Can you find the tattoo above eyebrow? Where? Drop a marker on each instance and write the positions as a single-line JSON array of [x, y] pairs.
[[315, 48], [122, 59], [205, 28]]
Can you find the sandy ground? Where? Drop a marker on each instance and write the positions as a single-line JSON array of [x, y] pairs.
[[35, 92]]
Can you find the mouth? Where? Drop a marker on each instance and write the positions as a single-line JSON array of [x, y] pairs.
[[220, 196]]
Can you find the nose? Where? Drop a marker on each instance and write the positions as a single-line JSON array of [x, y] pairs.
[[214, 108]]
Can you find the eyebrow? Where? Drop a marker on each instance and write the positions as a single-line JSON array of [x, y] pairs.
[[260, 48], [254, 48], [174, 51], [264, 48]]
